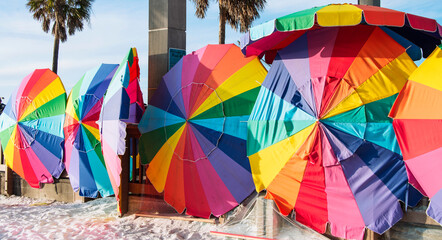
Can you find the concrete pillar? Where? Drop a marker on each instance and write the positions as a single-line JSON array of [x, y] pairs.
[[260, 211], [266, 219], [370, 2], [167, 29]]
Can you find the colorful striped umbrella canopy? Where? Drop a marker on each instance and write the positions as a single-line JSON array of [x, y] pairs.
[[83, 157], [320, 140], [418, 126], [115, 113], [413, 32], [31, 128], [195, 128]]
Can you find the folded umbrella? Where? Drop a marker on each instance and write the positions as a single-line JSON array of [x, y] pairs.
[[116, 112]]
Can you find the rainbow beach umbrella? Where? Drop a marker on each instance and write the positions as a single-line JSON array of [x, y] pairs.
[[84, 158], [320, 140], [419, 35], [194, 130], [418, 125], [31, 128], [116, 112]]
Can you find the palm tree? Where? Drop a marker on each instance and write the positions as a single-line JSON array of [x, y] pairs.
[[63, 16], [238, 13]]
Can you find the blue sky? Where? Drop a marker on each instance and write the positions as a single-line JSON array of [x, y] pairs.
[[117, 25]]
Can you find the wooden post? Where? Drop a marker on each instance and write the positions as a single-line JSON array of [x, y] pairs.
[[9, 181], [124, 180], [370, 235]]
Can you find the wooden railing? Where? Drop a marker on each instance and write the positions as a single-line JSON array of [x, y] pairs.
[[2, 161], [133, 173]]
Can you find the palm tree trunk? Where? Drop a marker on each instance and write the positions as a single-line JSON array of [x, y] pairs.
[[222, 24], [55, 54]]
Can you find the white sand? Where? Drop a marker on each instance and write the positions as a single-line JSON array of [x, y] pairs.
[[25, 218]]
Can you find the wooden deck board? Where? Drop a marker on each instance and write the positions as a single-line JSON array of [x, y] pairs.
[[177, 216], [237, 236]]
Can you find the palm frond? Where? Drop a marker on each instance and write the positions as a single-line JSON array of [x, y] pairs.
[[241, 13], [201, 7], [65, 16]]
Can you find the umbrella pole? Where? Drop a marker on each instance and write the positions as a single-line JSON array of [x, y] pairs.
[[123, 203]]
